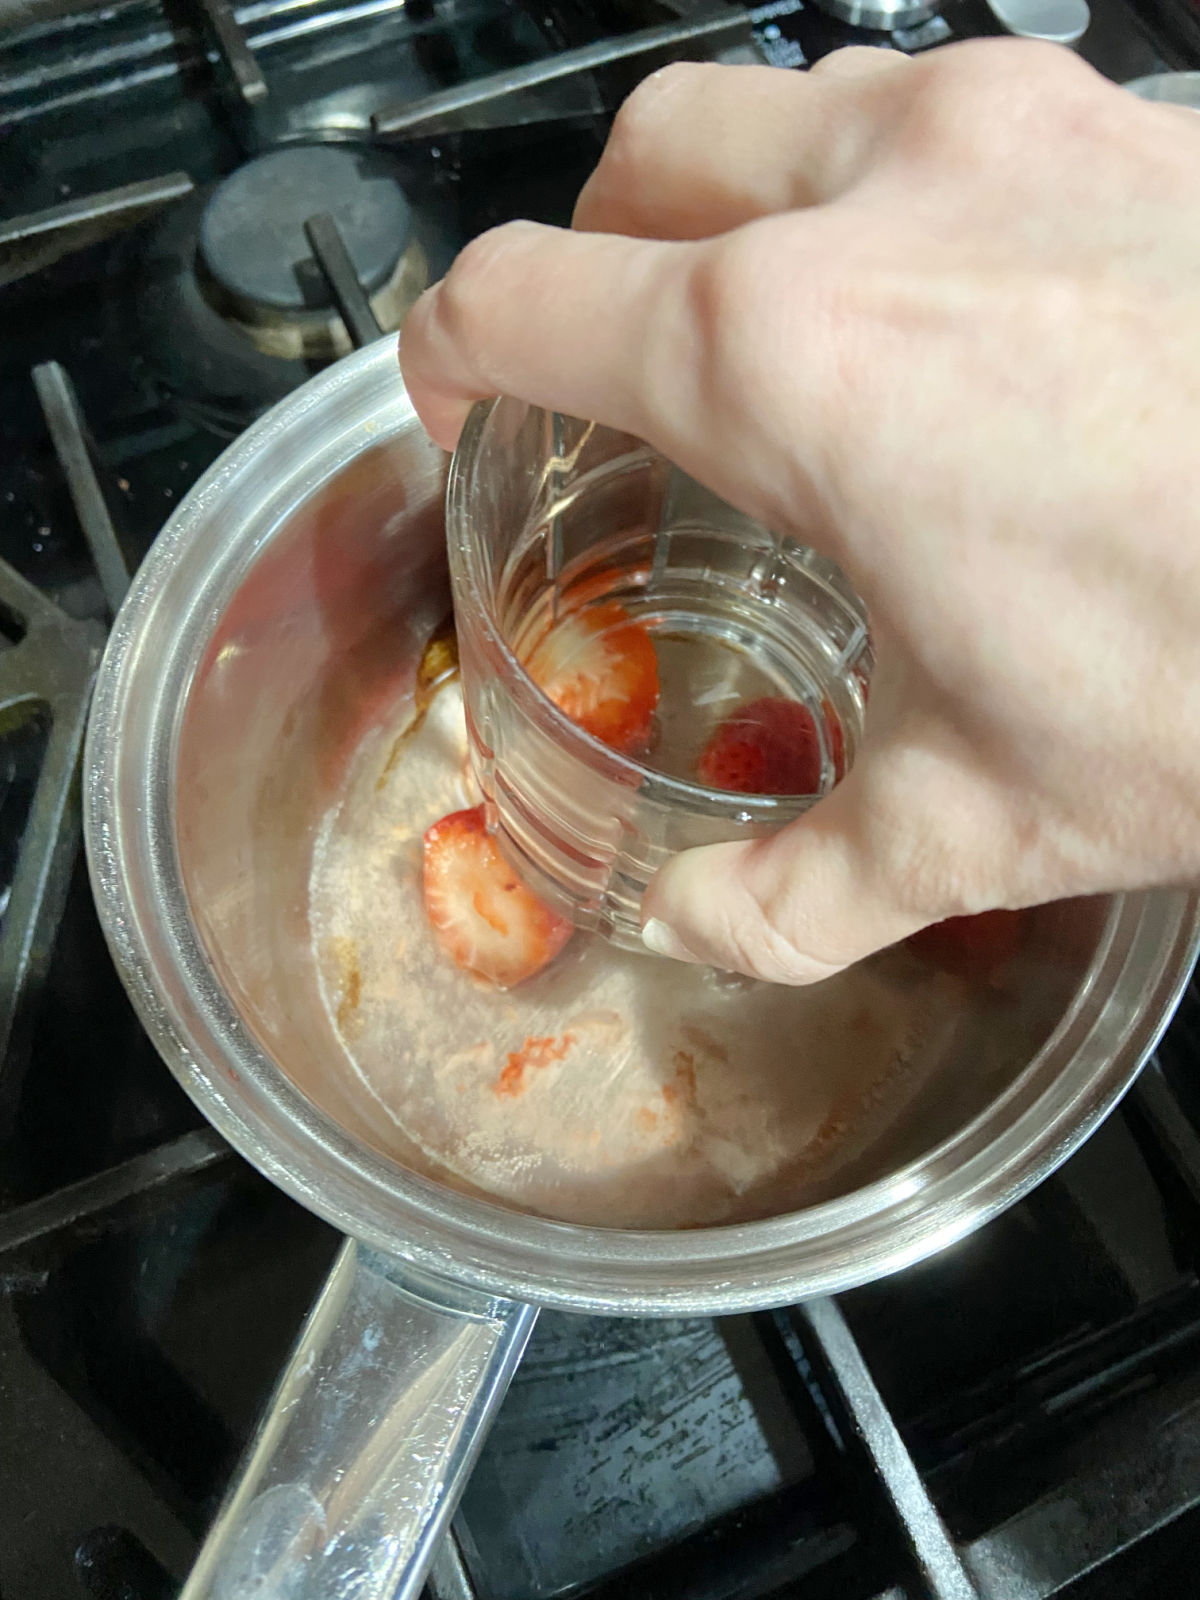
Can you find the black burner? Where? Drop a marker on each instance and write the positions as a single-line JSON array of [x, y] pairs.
[[252, 239], [231, 308], [255, 266]]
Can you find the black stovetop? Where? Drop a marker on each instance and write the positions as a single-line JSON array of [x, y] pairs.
[[1019, 1417]]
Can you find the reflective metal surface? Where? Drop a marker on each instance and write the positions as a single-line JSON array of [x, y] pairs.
[[1056, 21], [316, 543], [510, 98], [242, 65], [884, 15], [30, 243], [301, 570], [369, 1440], [60, 406], [329, 251], [47, 662], [1170, 88]]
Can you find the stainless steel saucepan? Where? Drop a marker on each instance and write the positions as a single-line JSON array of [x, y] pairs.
[[296, 576]]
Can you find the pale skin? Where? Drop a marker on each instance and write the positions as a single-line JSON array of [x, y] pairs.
[[978, 389]]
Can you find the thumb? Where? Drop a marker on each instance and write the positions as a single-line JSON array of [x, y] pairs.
[[792, 908]]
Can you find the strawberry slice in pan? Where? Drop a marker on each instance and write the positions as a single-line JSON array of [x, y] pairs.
[[599, 666], [484, 917], [768, 746]]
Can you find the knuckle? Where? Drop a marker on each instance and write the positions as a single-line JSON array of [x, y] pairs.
[[469, 288], [730, 276], [1010, 68], [641, 115], [728, 282], [638, 127], [733, 368], [857, 61], [978, 103], [474, 264]]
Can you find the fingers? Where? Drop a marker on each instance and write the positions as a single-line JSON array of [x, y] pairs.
[[625, 330], [559, 319], [658, 339], [793, 908], [662, 340], [698, 149]]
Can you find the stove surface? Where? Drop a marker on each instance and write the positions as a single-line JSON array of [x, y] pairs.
[[1018, 1418]]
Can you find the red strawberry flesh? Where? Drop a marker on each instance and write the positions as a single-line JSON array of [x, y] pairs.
[[487, 920], [599, 666], [768, 746]]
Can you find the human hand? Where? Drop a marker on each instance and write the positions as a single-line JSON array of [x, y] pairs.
[[939, 319]]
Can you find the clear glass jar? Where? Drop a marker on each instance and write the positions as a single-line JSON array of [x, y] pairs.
[[547, 517]]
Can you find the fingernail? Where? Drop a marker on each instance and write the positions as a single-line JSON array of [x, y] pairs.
[[663, 941]]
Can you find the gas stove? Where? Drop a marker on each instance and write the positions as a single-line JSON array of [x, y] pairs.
[[202, 206]]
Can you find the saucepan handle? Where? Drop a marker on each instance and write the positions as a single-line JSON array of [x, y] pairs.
[[368, 1441]]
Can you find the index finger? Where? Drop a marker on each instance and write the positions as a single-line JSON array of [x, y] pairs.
[[555, 318], [658, 339]]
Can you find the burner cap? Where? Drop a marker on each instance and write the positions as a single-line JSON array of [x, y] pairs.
[[885, 16], [252, 231]]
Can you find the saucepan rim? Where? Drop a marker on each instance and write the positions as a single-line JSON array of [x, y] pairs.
[[157, 641]]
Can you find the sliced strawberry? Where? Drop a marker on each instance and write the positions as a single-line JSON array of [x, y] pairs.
[[485, 918], [599, 666], [971, 947], [769, 746]]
